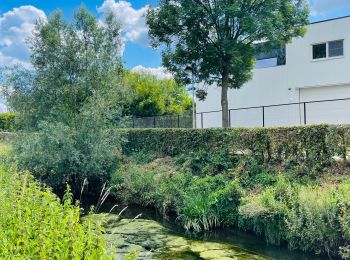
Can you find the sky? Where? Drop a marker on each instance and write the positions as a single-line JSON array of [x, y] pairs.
[[17, 18]]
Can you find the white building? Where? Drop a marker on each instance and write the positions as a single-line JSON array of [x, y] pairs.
[[317, 67]]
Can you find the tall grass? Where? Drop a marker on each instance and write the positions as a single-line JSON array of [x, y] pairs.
[[34, 224]]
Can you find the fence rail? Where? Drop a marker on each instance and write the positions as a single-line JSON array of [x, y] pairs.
[[169, 121], [297, 113]]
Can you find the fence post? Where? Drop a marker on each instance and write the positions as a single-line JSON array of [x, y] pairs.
[[263, 114], [304, 113], [202, 120], [133, 122], [229, 118], [154, 122], [178, 121]]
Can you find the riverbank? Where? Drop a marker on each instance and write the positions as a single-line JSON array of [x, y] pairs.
[[205, 191]]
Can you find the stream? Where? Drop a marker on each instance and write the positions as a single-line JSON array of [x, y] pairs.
[[150, 236]]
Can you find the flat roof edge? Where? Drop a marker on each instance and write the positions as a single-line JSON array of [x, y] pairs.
[[331, 19]]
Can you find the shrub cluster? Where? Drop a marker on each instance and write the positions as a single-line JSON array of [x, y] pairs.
[[8, 122], [35, 225], [200, 202], [309, 218]]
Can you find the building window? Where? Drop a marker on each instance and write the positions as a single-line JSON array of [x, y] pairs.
[[319, 51], [273, 58], [328, 49], [336, 48]]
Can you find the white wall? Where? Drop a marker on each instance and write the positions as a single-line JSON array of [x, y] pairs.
[[328, 79]]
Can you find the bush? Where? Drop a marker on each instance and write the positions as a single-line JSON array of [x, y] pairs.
[[201, 203], [59, 154], [8, 122], [35, 225], [312, 223], [266, 213], [308, 218], [205, 163], [147, 185]]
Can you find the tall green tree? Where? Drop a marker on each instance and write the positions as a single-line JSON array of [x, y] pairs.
[[70, 101], [151, 96], [217, 37]]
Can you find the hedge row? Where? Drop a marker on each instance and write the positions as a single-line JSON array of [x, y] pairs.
[[318, 144], [8, 122]]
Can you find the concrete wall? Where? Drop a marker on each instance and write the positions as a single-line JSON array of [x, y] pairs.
[[301, 79]]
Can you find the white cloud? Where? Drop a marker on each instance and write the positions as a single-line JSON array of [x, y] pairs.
[[133, 21], [15, 27], [319, 7], [159, 72]]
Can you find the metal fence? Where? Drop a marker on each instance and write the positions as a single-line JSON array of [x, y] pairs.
[[332, 111], [169, 121]]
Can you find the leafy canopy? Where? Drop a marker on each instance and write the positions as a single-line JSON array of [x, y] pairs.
[[72, 63], [150, 96], [217, 37], [70, 102]]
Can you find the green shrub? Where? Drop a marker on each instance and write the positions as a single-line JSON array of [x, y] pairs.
[[35, 225], [205, 163], [252, 174], [59, 154], [312, 222], [266, 213], [8, 122], [161, 187], [309, 218], [135, 185]]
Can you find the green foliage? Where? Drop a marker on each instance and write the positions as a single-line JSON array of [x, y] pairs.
[[252, 174], [201, 203], [71, 102], [57, 154], [71, 63], [8, 122], [313, 222], [313, 147], [210, 202], [285, 184], [35, 225], [266, 212], [150, 96], [204, 163], [308, 218], [217, 38]]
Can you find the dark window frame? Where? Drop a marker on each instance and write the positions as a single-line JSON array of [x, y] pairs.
[[319, 51], [336, 52]]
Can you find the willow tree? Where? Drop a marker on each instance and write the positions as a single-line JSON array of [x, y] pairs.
[[217, 37]]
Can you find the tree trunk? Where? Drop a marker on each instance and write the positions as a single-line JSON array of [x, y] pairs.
[[224, 102]]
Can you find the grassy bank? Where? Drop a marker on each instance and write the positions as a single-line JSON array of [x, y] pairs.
[[303, 201]]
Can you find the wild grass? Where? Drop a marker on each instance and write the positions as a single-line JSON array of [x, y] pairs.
[[4, 148], [34, 224]]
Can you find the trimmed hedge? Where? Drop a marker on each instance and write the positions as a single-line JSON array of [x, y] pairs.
[[313, 145], [8, 122]]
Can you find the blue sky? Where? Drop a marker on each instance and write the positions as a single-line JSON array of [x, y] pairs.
[[17, 18]]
